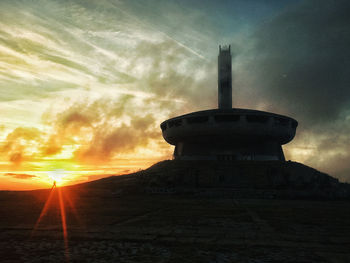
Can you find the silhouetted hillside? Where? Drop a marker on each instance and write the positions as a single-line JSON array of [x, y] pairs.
[[242, 179], [183, 212]]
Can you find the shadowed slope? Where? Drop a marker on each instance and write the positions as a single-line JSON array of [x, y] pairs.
[[241, 179], [165, 214]]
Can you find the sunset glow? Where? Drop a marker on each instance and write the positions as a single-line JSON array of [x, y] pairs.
[[57, 176], [84, 85]]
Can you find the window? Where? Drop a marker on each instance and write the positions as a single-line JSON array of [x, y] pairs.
[[227, 118], [257, 118], [197, 119]]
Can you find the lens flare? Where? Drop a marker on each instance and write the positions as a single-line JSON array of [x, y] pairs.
[[62, 197], [64, 224]]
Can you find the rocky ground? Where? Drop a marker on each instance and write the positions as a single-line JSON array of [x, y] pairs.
[[118, 220]]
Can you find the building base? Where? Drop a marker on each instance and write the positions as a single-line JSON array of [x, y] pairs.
[[224, 151]]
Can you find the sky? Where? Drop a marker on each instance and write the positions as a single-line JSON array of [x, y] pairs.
[[85, 84]]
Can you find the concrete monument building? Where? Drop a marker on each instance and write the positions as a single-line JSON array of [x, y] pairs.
[[228, 133]]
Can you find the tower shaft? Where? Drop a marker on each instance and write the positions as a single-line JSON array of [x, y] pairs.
[[225, 78]]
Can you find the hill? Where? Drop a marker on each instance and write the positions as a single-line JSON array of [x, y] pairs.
[[239, 179], [182, 212]]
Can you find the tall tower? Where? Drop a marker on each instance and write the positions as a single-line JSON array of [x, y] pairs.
[[226, 133], [224, 78]]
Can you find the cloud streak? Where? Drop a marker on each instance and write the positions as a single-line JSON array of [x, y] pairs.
[[20, 176]]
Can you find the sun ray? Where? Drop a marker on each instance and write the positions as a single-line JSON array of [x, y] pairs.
[[62, 198], [44, 210], [64, 223], [73, 208]]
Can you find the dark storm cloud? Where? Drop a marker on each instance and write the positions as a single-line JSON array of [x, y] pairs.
[[298, 64], [300, 61]]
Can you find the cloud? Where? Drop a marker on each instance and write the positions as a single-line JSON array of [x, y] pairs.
[[171, 73], [52, 48], [20, 144], [298, 64], [57, 47], [299, 61], [102, 129], [137, 65], [98, 51], [329, 146], [21, 176]]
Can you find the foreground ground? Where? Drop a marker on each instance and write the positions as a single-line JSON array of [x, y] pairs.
[[104, 224]]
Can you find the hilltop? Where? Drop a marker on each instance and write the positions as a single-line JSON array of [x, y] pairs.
[[238, 179], [183, 212]]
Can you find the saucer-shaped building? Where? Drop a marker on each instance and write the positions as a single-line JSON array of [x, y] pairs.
[[228, 133]]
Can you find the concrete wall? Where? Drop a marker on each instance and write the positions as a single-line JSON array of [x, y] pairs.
[[225, 79]]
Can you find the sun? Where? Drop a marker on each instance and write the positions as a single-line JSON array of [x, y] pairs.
[[57, 176]]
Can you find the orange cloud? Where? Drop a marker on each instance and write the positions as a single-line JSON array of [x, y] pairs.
[[20, 144], [102, 129]]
